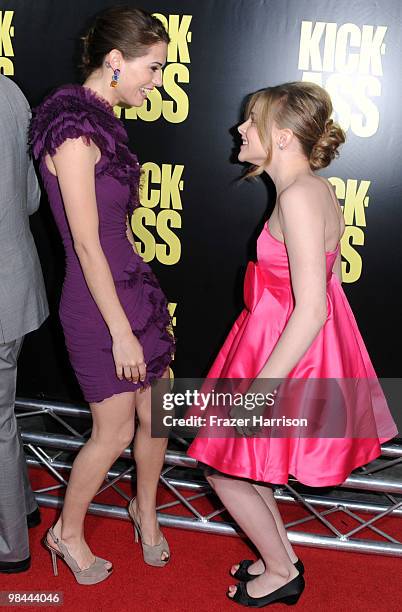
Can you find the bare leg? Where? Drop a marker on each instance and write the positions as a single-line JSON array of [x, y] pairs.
[[149, 455], [112, 432], [254, 517], [267, 495]]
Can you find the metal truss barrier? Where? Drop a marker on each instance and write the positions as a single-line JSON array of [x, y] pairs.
[[375, 489]]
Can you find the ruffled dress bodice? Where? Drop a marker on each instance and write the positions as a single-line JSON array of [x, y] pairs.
[[73, 111]]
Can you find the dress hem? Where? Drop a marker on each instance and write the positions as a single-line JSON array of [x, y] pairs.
[[327, 481]]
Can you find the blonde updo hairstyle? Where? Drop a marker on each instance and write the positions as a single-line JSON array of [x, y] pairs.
[[306, 109]]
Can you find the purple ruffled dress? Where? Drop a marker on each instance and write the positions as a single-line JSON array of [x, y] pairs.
[[70, 112]]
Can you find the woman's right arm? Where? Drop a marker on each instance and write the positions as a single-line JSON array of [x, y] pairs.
[[74, 163]]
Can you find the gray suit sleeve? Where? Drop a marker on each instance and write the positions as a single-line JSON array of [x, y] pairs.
[[33, 189]]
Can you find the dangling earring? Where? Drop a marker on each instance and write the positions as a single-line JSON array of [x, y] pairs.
[[115, 78], [116, 74]]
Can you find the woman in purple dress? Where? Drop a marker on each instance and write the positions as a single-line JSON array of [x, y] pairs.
[[113, 312]]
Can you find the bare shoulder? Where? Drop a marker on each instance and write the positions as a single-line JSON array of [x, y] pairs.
[[303, 198], [77, 150]]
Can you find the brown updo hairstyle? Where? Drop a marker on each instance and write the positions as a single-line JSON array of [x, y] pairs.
[[306, 109], [130, 30]]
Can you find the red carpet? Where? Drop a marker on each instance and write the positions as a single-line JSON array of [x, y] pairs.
[[196, 578]]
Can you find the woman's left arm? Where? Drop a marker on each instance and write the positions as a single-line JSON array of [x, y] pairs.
[[302, 222]]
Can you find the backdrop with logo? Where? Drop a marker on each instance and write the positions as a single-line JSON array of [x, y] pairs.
[[197, 223]]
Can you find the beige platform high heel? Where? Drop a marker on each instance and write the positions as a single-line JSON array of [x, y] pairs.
[[97, 572], [152, 554]]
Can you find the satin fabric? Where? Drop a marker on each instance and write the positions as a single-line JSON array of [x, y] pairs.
[[338, 352]]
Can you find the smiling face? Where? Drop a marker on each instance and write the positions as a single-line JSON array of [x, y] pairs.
[[251, 150], [140, 75]]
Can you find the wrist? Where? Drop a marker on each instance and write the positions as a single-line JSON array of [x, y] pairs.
[[118, 332]]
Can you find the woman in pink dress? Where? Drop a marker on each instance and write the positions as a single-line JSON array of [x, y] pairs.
[[297, 324]]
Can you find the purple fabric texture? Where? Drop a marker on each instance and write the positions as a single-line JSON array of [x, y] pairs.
[[73, 111]]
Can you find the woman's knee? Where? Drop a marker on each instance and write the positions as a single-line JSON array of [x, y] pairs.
[[115, 440], [125, 436], [145, 420], [144, 414]]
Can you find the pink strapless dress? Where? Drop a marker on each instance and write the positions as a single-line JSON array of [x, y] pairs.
[[338, 352]]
